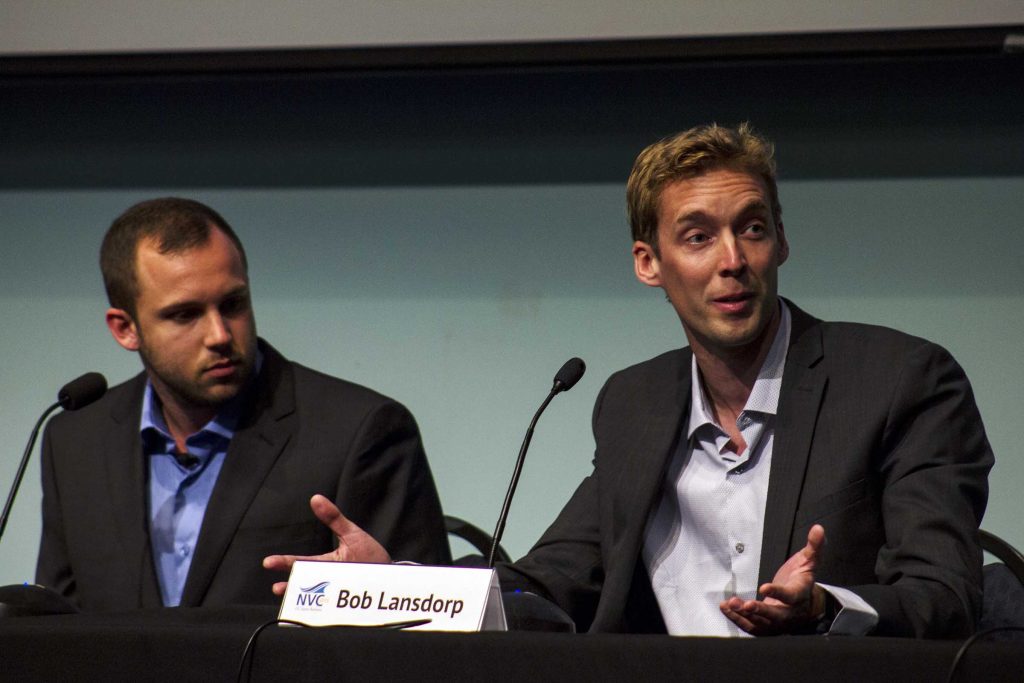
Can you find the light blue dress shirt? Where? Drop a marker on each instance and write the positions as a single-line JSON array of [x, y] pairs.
[[179, 493]]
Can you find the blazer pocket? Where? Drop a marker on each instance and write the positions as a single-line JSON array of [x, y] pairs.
[[822, 507]]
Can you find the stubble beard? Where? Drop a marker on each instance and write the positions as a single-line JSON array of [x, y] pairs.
[[193, 392], [725, 340]]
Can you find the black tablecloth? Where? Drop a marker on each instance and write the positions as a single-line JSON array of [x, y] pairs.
[[207, 644]]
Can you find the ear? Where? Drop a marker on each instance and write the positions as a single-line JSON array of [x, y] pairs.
[[646, 265], [123, 328], [780, 235]]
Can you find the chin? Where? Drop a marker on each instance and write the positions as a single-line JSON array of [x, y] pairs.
[[216, 396], [737, 338]]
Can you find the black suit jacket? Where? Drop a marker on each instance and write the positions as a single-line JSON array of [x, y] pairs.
[[877, 438], [301, 432]]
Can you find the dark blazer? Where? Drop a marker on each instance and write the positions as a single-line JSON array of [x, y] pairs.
[[877, 438], [301, 432]]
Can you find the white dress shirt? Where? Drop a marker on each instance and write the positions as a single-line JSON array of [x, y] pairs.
[[703, 541]]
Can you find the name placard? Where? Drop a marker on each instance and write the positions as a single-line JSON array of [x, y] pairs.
[[353, 594]]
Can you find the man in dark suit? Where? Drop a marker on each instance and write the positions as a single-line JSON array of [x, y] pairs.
[[721, 467], [889, 457], [716, 462], [173, 488]]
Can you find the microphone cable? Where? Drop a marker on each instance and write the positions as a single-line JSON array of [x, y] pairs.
[[970, 642], [249, 653]]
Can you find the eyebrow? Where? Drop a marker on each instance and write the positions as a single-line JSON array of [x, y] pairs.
[[170, 309], [753, 206]]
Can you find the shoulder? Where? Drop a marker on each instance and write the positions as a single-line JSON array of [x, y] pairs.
[[313, 383], [875, 364], [324, 400], [851, 344], [666, 365], [880, 344], [647, 387]]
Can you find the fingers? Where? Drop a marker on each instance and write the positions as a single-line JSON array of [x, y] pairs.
[[794, 587], [794, 591], [279, 563], [816, 538], [788, 600], [815, 542], [354, 544], [329, 514], [755, 617], [283, 563], [778, 592], [739, 620], [343, 528]]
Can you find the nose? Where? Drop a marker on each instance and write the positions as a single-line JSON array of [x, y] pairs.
[[732, 260], [217, 331]]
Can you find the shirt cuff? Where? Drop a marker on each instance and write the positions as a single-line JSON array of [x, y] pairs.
[[855, 617]]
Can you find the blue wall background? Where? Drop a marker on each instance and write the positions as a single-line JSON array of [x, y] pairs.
[[450, 238]]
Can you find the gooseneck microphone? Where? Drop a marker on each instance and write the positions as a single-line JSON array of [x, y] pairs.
[[565, 379], [76, 394]]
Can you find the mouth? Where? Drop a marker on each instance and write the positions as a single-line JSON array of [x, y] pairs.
[[222, 368], [738, 296], [738, 302]]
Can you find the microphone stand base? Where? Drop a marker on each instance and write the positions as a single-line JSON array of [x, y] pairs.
[[25, 600]]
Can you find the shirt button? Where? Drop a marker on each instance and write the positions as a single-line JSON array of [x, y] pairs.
[[740, 548], [184, 550]]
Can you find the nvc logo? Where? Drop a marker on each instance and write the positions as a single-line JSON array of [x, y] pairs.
[[312, 597]]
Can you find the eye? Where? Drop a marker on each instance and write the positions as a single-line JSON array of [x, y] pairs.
[[696, 238], [234, 305], [183, 315], [755, 230]]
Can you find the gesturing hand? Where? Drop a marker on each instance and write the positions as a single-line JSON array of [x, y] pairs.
[[791, 601], [354, 544]]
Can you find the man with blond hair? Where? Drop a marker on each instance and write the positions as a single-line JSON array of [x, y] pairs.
[[770, 433], [721, 468]]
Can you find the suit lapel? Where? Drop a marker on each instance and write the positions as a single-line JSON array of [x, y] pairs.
[[803, 385], [126, 476], [660, 411], [649, 456], [259, 440]]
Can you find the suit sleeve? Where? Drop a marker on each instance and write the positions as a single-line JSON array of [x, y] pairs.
[[53, 567], [387, 489], [934, 466]]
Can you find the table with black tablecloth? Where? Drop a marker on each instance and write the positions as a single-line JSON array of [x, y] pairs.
[[207, 645]]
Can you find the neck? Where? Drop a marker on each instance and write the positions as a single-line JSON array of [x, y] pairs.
[[728, 375], [183, 420]]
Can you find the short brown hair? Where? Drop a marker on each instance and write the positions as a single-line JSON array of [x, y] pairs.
[[176, 225], [690, 154]]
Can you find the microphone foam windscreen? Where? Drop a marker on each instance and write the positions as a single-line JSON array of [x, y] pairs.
[[80, 392], [570, 373]]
